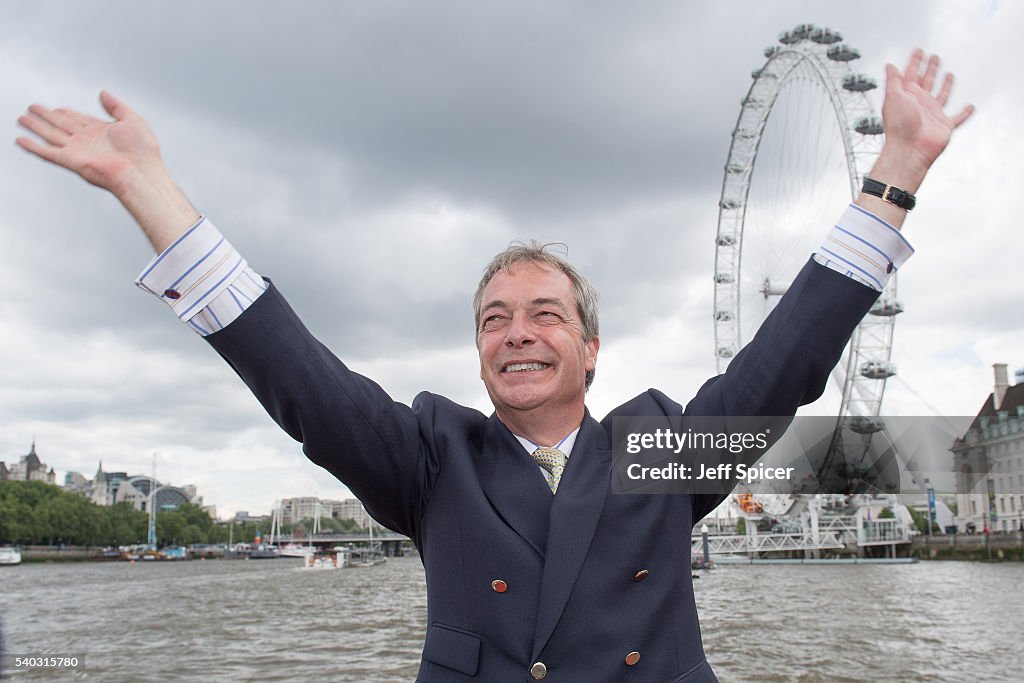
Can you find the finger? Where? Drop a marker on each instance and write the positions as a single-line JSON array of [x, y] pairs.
[[114, 106], [947, 86], [964, 114], [913, 72], [57, 118], [67, 120], [45, 130], [77, 119], [893, 80], [929, 73], [42, 151]]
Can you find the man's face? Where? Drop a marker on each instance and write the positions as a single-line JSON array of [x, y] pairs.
[[532, 353]]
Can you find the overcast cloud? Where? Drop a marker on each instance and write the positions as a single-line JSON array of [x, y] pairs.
[[370, 158]]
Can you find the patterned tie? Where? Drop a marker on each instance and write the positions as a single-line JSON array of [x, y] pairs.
[[553, 462]]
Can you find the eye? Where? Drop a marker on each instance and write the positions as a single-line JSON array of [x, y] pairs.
[[492, 322]]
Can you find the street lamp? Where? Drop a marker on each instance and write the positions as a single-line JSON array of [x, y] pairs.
[[931, 507], [151, 534]]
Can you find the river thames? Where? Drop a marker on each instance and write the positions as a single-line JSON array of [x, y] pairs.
[[273, 621]]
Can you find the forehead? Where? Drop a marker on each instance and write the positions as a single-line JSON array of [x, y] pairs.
[[526, 282]]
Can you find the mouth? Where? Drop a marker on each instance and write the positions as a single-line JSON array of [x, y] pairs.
[[530, 366]]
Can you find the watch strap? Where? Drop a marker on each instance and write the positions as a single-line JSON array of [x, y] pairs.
[[889, 193]]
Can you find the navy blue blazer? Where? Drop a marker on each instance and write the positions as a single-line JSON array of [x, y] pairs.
[[589, 576]]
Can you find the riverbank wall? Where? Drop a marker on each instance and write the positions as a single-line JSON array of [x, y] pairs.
[[55, 553], [975, 547]]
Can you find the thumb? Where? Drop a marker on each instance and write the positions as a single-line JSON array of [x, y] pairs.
[[115, 107], [893, 79]]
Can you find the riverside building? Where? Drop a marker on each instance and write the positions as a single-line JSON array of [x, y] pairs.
[[989, 460], [28, 468], [110, 488]]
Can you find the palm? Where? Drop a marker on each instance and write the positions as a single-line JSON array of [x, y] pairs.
[[914, 117], [102, 152]]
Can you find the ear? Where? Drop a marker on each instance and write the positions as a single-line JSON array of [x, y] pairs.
[[590, 350]]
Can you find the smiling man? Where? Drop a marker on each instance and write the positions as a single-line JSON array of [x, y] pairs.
[[534, 570], [536, 322]]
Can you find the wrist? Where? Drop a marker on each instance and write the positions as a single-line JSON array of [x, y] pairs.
[[157, 204], [141, 182], [901, 167]]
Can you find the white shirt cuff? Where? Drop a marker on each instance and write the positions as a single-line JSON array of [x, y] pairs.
[[203, 279], [864, 247]]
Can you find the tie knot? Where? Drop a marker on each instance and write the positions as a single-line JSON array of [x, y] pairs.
[[552, 461], [549, 458]]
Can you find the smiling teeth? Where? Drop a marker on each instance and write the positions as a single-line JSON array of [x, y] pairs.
[[519, 367]]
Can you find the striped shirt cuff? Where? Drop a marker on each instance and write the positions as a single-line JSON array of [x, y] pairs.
[[864, 247], [203, 279]]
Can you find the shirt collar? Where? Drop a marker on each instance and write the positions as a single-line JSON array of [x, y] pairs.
[[565, 445]]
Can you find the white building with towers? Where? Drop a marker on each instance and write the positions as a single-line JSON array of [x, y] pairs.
[[989, 460]]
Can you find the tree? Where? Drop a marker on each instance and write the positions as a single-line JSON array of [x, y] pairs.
[[127, 525], [920, 521]]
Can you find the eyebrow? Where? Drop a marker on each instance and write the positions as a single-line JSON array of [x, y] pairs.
[[547, 301], [543, 301]]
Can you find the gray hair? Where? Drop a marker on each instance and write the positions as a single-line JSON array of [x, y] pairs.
[[541, 254]]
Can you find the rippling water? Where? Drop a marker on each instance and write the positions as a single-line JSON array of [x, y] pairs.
[[272, 621]]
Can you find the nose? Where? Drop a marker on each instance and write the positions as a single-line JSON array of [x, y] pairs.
[[519, 332]]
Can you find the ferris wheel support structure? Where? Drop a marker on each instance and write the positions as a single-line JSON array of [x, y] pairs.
[[813, 61]]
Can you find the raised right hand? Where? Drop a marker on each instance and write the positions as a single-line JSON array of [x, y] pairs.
[[122, 156], [105, 153]]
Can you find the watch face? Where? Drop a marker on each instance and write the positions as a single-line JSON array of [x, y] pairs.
[[900, 198]]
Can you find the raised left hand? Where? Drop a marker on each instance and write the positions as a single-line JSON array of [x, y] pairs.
[[917, 126]]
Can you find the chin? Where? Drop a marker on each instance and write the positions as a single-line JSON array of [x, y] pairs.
[[524, 401]]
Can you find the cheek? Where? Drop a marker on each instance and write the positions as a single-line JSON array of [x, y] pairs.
[[485, 351]]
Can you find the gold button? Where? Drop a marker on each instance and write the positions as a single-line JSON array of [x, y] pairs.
[[640, 575], [538, 671], [632, 658], [499, 586]]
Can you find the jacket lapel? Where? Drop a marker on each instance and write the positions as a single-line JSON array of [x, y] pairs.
[[574, 515], [514, 484]]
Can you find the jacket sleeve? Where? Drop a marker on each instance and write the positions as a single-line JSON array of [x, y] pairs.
[[788, 362], [346, 423]]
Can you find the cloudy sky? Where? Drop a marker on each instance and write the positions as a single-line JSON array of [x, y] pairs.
[[370, 158]]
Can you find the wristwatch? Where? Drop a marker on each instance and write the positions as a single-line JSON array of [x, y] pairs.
[[889, 193]]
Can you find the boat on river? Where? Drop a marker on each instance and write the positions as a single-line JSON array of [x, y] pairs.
[[9, 557], [296, 550], [237, 551], [264, 551], [356, 558], [324, 559], [370, 556]]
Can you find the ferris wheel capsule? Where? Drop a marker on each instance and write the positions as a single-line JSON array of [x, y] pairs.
[[842, 53], [859, 83]]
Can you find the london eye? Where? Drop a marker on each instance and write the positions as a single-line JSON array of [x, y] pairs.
[[805, 136]]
